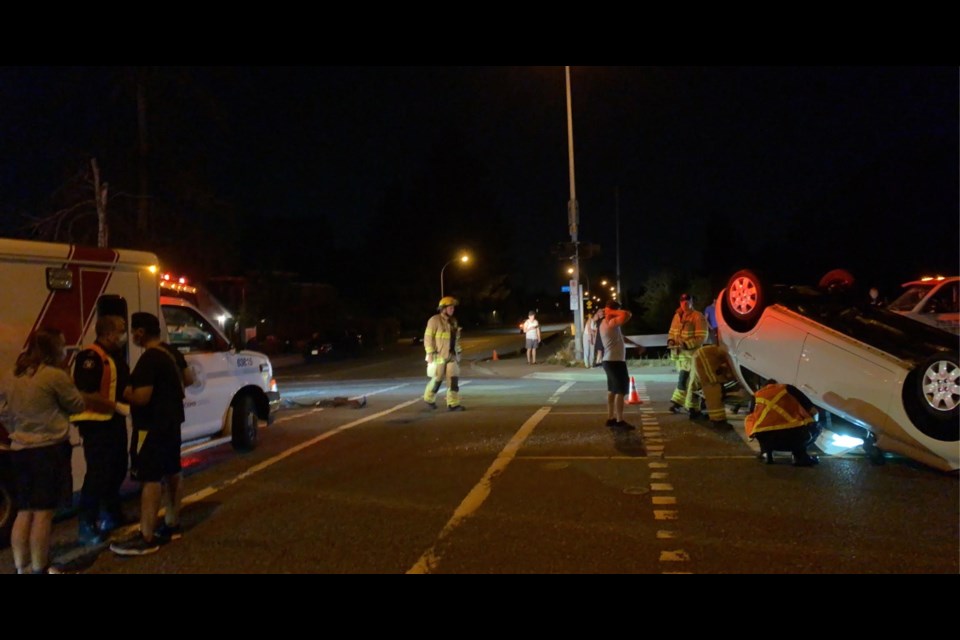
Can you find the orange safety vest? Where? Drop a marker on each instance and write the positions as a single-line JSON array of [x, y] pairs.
[[775, 409], [108, 387]]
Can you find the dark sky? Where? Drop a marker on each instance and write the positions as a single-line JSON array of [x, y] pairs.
[[708, 168]]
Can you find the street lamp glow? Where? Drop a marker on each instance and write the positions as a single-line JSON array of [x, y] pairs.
[[464, 258]]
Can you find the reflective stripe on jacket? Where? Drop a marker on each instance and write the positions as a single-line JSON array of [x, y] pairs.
[[440, 334], [776, 408], [108, 387], [689, 332]]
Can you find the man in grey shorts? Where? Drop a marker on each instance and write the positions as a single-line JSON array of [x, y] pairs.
[[615, 362], [531, 329]]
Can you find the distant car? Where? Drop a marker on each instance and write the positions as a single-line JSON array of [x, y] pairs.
[[333, 345], [934, 300], [895, 379]]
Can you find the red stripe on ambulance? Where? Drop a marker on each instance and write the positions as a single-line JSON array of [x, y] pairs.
[[64, 307]]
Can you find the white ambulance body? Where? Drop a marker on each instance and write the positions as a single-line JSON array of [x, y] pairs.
[[68, 287]]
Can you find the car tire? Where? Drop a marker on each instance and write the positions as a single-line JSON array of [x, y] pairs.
[[244, 425], [744, 299], [931, 398]]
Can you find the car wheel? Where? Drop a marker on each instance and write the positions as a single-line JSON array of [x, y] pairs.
[[244, 424], [932, 397], [743, 300]]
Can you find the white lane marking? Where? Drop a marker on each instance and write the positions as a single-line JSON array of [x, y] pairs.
[[292, 450], [430, 559]]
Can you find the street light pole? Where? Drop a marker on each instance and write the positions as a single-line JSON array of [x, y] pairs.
[[616, 206], [573, 217], [463, 258]]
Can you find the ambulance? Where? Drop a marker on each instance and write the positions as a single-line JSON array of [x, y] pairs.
[[69, 287]]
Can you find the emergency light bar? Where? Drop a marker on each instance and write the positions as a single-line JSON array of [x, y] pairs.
[[178, 285]]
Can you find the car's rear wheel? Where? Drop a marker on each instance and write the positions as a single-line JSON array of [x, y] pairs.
[[932, 397], [244, 424], [743, 300]]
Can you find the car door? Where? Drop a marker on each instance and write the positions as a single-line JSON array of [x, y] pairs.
[[209, 355], [942, 308], [840, 376], [773, 348]]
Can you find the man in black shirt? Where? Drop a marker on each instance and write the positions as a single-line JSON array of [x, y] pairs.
[[156, 395]]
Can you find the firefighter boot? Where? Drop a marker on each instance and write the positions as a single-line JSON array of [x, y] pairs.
[[430, 395], [803, 459], [453, 401]]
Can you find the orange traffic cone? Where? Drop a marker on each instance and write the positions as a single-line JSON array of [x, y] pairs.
[[495, 356], [634, 397]]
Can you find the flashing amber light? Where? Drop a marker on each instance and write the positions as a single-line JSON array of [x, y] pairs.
[[179, 285], [929, 278]]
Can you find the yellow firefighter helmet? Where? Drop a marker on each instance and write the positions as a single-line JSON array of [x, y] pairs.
[[447, 301]]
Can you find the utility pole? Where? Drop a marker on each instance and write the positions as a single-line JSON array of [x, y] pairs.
[[100, 199], [573, 218], [616, 207]]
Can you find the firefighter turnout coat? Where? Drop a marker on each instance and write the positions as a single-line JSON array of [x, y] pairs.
[[442, 340], [688, 331]]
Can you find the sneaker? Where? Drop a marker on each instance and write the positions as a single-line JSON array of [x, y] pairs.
[[610, 423], [135, 546], [456, 407], [622, 424], [168, 533]]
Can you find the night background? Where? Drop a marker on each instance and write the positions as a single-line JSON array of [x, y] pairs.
[[360, 183]]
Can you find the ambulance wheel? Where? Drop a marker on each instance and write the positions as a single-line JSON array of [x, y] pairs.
[[743, 300], [244, 427]]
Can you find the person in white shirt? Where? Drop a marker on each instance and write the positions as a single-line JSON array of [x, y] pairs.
[[531, 329]]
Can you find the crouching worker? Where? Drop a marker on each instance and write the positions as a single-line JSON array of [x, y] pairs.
[[711, 370], [783, 420]]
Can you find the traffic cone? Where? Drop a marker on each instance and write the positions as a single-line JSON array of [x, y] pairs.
[[495, 356], [634, 397]]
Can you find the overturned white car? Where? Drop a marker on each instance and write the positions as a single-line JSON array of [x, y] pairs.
[[895, 378]]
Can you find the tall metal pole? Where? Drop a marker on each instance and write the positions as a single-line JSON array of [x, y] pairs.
[[616, 206], [441, 277], [573, 218]]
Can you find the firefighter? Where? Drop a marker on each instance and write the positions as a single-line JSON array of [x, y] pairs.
[[710, 371], [688, 331], [441, 341], [783, 420]]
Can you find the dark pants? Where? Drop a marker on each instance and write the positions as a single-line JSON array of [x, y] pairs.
[[795, 440], [105, 452]]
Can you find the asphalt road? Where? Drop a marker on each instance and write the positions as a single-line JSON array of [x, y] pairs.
[[527, 480]]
